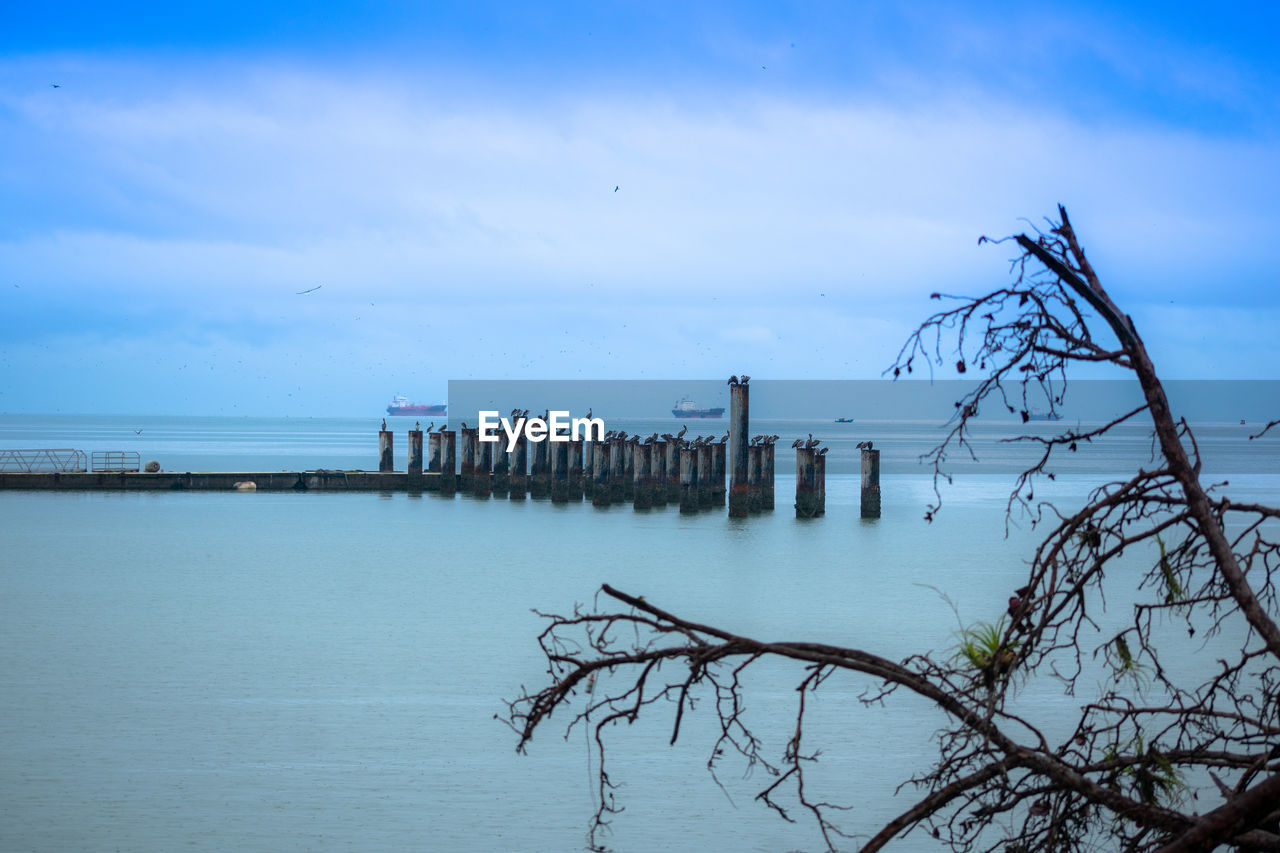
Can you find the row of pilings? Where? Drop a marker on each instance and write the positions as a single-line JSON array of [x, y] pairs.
[[646, 472]]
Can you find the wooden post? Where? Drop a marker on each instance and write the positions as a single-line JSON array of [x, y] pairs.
[[673, 470], [501, 467], [433, 452], [558, 454], [704, 475], [643, 481], [386, 455], [766, 476], [588, 467], [540, 475], [806, 483], [448, 461], [820, 479], [718, 457], [617, 470], [576, 450], [629, 468], [600, 491], [688, 479], [518, 475], [658, 473], [484, 467], [739, 425], [870, 483], [755, 455], [415, 458]]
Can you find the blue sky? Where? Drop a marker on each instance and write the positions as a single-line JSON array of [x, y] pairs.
[[792, 181]]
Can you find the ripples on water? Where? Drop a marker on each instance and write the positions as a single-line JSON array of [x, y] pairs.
[[320, 671]]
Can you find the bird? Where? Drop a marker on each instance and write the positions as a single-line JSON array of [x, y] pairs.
[[417, 425], [745, 379], [615, 189], [444, 426], [589, 414], [310, 289], [683, 430], [724, 438], [56, 85], [137, 432], [864, 445], [797, 442], [464, 424], [384, 424], [733, 380]]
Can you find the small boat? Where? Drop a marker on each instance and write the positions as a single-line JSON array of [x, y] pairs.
[[400, 405], [686, 408], [844, 420]]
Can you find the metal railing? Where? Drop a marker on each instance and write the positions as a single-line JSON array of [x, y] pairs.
[[113, 461], [42, 460]]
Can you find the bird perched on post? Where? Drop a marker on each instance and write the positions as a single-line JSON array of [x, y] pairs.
[[384, 424], [797, 442], [683, 430], [864, 445], [444, 426], [733, 380], [745, 379], [464, 424], [724, 438]]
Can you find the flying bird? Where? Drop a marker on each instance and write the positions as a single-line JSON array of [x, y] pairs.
[[56, 85], [615, 189], [137, 432], [310, 289]]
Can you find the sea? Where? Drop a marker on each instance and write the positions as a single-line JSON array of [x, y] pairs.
[[329, 671]]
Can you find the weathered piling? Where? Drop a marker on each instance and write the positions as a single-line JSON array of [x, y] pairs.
[[755, 464], [558, 454], [448, 461], [501, 481], [673, 469], [540, 474], [600, 491], [658, 473], [617, 470], [415, 458], [806, 483], [704, 475], [820, 479], [576, 450], [688, 479], [588, 467], [386, 455], [433, 452], [718, 455], [643, 481], [518, 472], [480, 478], [629, 468], [739, 420], [870, 483], [467, 470], [766, 476]]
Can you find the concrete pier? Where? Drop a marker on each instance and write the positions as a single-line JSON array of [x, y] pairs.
[[433, 453], [766, 476], [688, 479], [806, 483], [600, 491], [870, 483], [386, 454], [415, 458], [518, 473], [739, 432]]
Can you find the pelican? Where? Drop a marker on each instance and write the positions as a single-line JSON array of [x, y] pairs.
[[683, 430], [444, 426], [464, 424], [384, 424], [589, 414], [724, 438], [864, 445], [733, 380], [797, 443], [745, 379]]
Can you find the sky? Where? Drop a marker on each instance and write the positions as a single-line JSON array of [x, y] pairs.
[[603, 190]]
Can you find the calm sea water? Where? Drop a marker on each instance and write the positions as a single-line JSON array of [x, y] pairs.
[[214, 671]]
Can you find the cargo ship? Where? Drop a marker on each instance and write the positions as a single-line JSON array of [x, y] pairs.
[[400, 405], [686, 408]]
